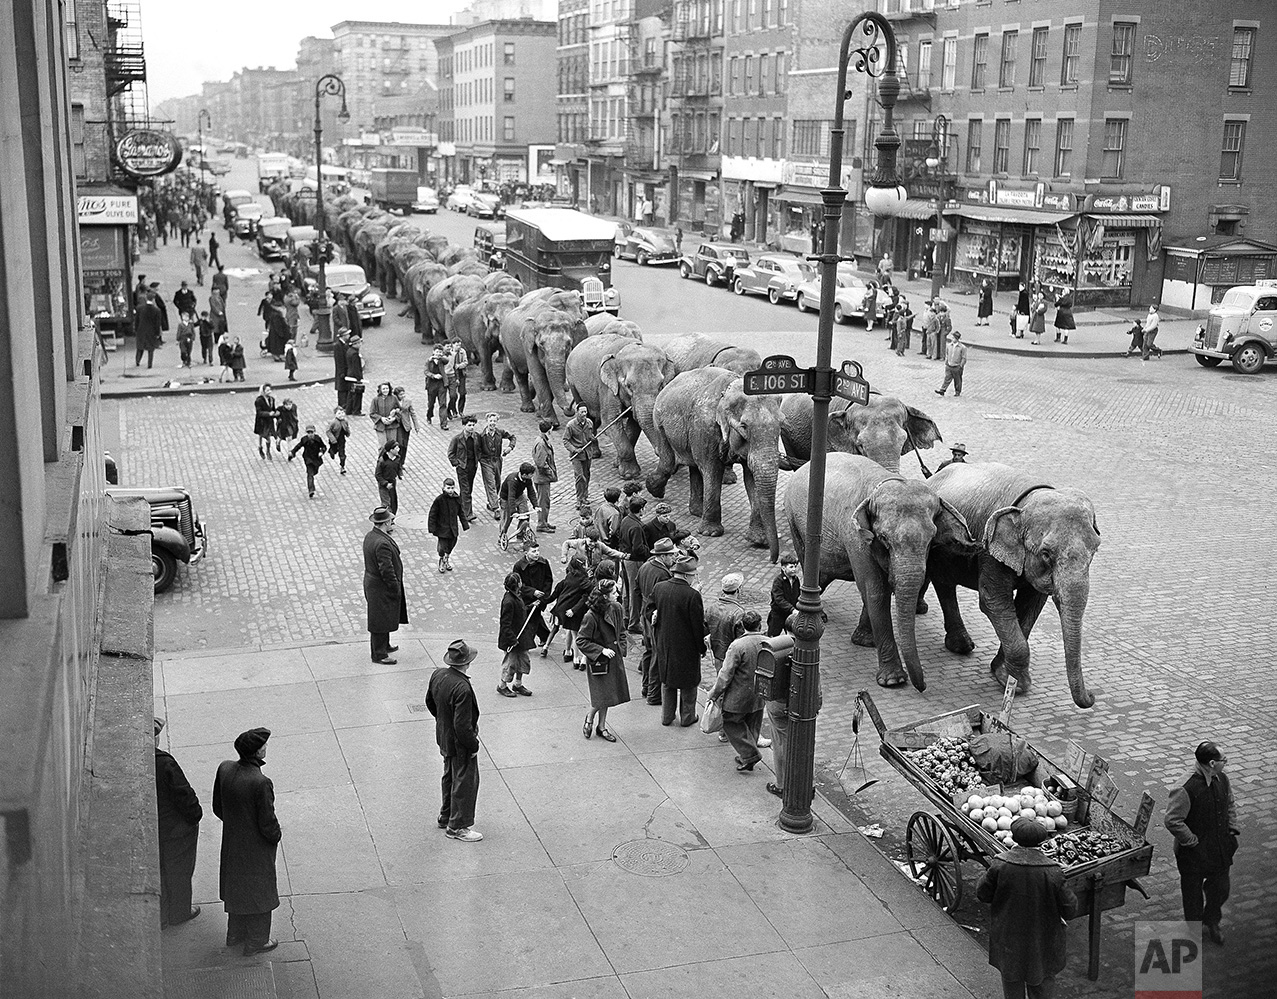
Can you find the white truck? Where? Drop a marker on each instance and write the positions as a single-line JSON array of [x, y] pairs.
[[270, 168]]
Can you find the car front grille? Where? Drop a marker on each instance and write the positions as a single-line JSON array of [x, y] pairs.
[[186, 521], [1213, 325]]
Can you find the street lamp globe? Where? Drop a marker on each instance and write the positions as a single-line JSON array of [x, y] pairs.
[[885, 201]]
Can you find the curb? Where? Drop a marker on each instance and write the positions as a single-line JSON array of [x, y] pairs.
[[1061, 355], [215, 388]]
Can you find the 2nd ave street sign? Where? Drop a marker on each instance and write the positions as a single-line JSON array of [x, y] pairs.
[[779, 375], [850, 383]]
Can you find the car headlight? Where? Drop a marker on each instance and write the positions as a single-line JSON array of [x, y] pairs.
[[611, 295], [605, 267], [373, 301]]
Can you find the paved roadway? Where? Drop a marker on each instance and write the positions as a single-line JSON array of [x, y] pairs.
[[1179, 642]]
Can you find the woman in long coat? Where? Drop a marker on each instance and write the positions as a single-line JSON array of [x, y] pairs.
[[1064, 323], [602, 640], [569, 596], [265, 412], [379, 411], [985, 309]]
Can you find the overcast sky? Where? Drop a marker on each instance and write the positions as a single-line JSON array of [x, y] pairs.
[[187, 44]]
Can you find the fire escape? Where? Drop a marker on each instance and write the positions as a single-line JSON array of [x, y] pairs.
[[124, 61], [640, 96], [695, 25]]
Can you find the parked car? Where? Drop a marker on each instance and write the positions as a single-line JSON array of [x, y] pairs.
[[849, 297], [246, 218], [489, 242], [427, 201], [272, 238], [645, 245], [459, 198], [177, 533], [776, 275], [349, 279], [714, 262], [484, 205]]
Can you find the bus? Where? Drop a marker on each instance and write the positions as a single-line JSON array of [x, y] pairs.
[[563, 248]]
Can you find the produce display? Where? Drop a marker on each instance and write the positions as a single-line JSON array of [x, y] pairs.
[[1082, 846], [996, 812], [948, 762]]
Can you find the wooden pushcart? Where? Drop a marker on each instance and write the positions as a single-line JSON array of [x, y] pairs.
[[936, 843]]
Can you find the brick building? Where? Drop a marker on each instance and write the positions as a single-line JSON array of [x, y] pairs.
[[379, 59], [572, 102]]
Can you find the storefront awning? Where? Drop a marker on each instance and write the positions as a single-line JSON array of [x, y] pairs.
[[1128, 221], [988, 213], [798, 196], [917, 208]]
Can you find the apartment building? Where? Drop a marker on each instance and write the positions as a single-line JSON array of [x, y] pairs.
[[379, 59]]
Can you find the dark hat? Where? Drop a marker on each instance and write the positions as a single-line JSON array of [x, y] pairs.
[[1208, 752], [959, 449], [459, 653], [381, 515], [664, 546], [637, 503], [310, 427], [159, 724], [686, 565], [1028, 832], [248, 743]]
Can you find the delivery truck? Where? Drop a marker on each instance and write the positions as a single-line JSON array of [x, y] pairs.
[[393, 188], [270, 167]]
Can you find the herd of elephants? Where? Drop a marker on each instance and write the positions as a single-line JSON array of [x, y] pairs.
[[989, 527]]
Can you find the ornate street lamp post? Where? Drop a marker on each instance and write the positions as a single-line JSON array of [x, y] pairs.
[[937, 157], [332, 85], [203, 117], [870, 33]]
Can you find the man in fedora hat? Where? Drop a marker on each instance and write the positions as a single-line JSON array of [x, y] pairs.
[[244, 799], [652, 572], [451, 700], [959, 457], [179, 812], [678, 623], [383, 585]]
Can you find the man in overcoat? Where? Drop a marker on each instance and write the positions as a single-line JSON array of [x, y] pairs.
[[1030, 902], [146, 330], [179, 812], [244, 799], [742, 707], [383, 585], [547, 472], [655, 570], [679, 625], [451, 700]]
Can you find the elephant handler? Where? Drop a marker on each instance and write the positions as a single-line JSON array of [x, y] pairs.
[[582, 447], [678, 622], [438, 386]]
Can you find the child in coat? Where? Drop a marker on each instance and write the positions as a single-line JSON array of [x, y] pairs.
[[290, 360], [445, 516], [312, 448], [338, 432], [286, 422]]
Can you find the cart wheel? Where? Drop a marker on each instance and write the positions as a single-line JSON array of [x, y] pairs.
[[933, 859]]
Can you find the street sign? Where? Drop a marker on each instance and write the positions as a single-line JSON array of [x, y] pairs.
[[939, 235], [779, 375], [850, 383]]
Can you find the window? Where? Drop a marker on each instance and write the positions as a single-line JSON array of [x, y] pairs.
[[924, 65], [811, 138], [508, 130], [764, 69], [733, 78], [979, 61], [782, 13], [1001, 146], [1230, 159], [767, 14], [1032, 145], [77, 139], [734, 137], [1063, 146], [948, 63], [71, 41], [1037, 64], [1072, 55], [975, 133], [749, 75], [1239, 68], [1121, 58], [1006, 70], [1114, 159], [509, 89], [778, 138], [509, 53], [782, 72]]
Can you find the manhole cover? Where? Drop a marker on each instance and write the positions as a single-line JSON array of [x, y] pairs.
[[412, 521], [651, 858]]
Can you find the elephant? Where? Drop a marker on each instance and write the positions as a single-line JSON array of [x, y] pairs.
[[878, 531], [472, 267], [432, 243], [384, 252], [345, 203], [401, 260], [277, 191], [884, 430], [476, 322], [344, 229], [1037, 541], [366, 240], [418, 280], [605, 323], [445, 296], [610, 373], [704, 420], [536, 338], [455, 253], [696, 350], [501, 281]]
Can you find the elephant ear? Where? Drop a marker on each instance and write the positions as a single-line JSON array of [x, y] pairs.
[[921, 430], [1004, 537], [863, 516], [731, 407], [610, 374], [952, 529]]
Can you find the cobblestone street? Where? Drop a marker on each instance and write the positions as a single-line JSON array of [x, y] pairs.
[[1177, 649]]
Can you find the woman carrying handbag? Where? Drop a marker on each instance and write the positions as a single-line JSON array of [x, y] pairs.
[[601, 639]]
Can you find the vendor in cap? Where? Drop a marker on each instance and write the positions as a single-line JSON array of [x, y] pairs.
[[244, 799], [179, 812], [678, 623], [959, 457], [450, 698], [1030, 903]]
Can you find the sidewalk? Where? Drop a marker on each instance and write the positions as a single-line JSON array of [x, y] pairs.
[[648, 867]]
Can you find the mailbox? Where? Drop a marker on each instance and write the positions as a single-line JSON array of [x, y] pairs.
[[771, 674]]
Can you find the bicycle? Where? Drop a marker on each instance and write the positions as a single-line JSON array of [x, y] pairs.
[[522, 530]]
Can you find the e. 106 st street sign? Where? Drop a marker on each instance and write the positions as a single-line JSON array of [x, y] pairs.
[[779, 375]]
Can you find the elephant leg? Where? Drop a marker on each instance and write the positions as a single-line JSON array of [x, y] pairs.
[[666, 463], [1028, 606], [956, 637], [712, 508], [623, 435], [489, 381], [542, 397], [875, 600], [526, 405], [864, 633], [998, 602], [695, 491], [729, 475], [755, 534]]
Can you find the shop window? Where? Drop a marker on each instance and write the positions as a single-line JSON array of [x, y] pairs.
[[979, 61], [1063, 146], [1230, 159], [1243, 48], [1072, 55], [987, 250], [1122, 56], [1037, 64], [948, 64], [1111, 265], [975, 133], [1054, 263], [1006, 69], [1113, 162], [1032, 145], [1001, 146]]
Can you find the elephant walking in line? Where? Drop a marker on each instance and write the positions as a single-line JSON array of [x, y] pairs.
[[704, 420], [879, 529], [444, 297], [501, 281], [602, 323], [884, 430], [1037, 542], [536, 338], [418, 280], [610, 373], [696, 350], [476, 322]]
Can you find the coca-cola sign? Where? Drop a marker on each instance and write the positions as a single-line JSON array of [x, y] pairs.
[[145, 152]]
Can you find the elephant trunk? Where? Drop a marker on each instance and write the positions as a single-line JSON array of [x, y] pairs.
[[906, 588], [1071, 601], [556, 375], [763, 468]]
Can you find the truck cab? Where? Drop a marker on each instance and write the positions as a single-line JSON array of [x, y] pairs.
[[1241, 328]]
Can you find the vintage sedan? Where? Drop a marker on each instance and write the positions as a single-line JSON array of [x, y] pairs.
[[849, 296], [246, 218], [427, 202], [714, 262], [459, 198], [485, 205], [776, 275], [348, 279], [645, 245], [272, 238]]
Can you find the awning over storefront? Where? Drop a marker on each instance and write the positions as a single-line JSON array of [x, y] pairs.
[[1127, 221], [798, 196], [705, 175], [917, 208], [988, 213]]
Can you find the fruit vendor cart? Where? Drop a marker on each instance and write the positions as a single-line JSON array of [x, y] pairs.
[[1101, 854]]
